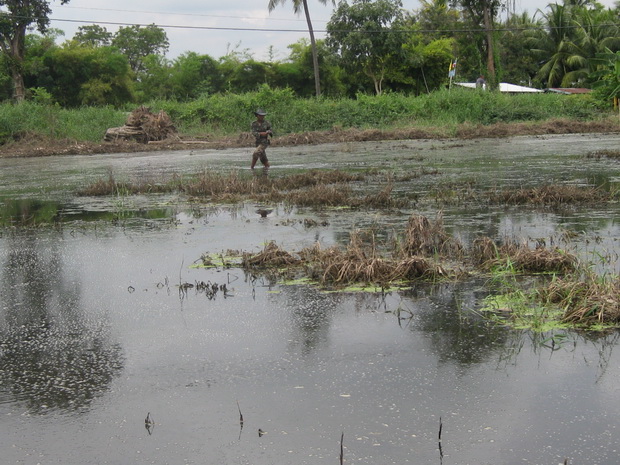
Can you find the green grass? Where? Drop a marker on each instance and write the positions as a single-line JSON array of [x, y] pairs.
[[84, 124], [230, 114]]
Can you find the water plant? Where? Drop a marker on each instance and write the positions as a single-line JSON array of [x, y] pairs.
[[586, 299]]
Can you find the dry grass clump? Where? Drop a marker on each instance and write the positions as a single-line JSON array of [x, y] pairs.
[[110, 186], [382, 199], [155, 126], [615, 154], [549, 195], [586, 301], [427, 238], [104, 186], [361, 262], [552, 126], [487, 255], [270, 256], [215, 185], [315, 177], [419, 255], [315, 188], [321, 195]]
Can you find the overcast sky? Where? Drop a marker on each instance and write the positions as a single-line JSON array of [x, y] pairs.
[[213, 27]]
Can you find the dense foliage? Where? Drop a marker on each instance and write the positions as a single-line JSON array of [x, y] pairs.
[[372, 47], [16, 16]]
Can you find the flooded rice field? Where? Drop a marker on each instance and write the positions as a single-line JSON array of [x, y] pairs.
[[106, 358]]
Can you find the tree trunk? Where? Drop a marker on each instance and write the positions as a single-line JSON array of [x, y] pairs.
[[19, 90], [488, 26], [315, 57], [16, 61]]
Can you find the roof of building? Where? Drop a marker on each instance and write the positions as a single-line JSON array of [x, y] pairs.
[[503, 87], [569, 90]]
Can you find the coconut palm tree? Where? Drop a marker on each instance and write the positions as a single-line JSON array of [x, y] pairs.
[[595, 32], [573, 36], [298, 5], [554, 46]]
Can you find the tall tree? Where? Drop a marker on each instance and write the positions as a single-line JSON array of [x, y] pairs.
[[298, 5], [574, 34], [14, 21], [483, 13], [519, 63], [368, 36], [93, 35], [82, 75], [553, 45], [296, 72], [436, 20], [594, 32], [137, 42]]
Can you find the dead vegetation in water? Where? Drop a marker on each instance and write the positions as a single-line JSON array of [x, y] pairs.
[[428, 238], [546, 196], [554, 126], [487, 255], [361, 261], [316, 177], [358, 263], [608, 153], [320, 195], [550, 195], [314, 188], [424, 250], [270, 256], [111, 186], [586, 300], [208, 289]]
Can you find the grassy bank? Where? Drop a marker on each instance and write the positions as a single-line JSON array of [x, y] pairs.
[[226, 115], [229, 114]]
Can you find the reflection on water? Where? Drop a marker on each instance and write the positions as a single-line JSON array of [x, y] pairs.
[[444, 313], [51, 356], [311, 314], [51, 368], [33, 212]]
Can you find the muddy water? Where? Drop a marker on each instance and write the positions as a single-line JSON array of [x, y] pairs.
[[94, 333]]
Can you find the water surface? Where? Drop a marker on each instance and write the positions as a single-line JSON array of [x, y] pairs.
[[94, 333]]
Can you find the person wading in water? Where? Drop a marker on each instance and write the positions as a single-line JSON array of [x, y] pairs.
[[261, 129]]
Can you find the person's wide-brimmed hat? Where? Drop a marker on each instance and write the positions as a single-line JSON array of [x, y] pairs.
[[260, 112]]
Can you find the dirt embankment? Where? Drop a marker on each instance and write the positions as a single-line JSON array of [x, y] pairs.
[[38, 146]]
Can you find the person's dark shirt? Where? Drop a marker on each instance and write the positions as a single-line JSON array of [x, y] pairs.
[[257, 128]]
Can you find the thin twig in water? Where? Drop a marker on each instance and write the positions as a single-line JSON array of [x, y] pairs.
[[240, 415], [439, 444], [341, 448]]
